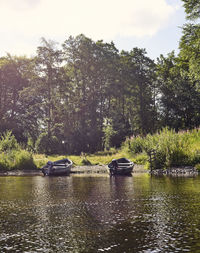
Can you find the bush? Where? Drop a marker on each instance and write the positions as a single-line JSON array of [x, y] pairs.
[[20, 159], [12, 156], [140, 158], [172, 149], [136, 144], [8, 142], [198, 167], [5, 162], [24, 160]]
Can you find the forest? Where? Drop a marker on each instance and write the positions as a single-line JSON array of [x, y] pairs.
[[86, 96]]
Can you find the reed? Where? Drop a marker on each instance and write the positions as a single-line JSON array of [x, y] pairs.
[[172, 148]]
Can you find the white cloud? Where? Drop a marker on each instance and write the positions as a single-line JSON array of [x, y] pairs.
[[96, 19]]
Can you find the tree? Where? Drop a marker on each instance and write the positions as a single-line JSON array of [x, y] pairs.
[[14, 77], [89, 66], [108, 133], [190, 41], [179, 98], [48, 62], [139, 77], [192, 9]]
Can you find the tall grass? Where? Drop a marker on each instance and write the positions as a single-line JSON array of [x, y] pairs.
[[172, 148], [12, 156]]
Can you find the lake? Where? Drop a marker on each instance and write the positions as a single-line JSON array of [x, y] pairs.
[[98, 213]]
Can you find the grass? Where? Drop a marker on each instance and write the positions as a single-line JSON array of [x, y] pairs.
[[172, 148], [84, 159], [16, 159], [99, 158]]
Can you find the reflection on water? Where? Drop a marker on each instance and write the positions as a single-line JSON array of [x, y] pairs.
[[99, 214]]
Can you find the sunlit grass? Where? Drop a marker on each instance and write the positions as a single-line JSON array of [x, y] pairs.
[[100, 158], [94, 159], [172, 148]]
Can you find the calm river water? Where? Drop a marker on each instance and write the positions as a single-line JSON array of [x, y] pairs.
[[100, 214]]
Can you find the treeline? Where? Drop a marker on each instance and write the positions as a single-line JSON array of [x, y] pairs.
[[84, 96]]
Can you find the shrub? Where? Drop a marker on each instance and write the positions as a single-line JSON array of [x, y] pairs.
[[30, 144], [136, 144], [141, 158], [12, 156], [8, 142], [20, 159], [5, 162], [172, 149], [24, 160], [109, 132], [198, 167]]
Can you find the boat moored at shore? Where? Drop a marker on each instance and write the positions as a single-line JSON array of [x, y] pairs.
[[57, 168], [121, 166]]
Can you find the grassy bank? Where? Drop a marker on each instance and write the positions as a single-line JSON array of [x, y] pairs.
[[172, 149], [100, 158]]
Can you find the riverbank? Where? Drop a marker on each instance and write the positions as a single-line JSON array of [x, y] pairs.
[[102, 169], [185, 170], [93, 169]]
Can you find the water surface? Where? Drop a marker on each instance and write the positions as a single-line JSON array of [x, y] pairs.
[[100, 214]]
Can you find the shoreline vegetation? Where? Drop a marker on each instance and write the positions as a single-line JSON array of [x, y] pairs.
[[86, 96], [175, 153]]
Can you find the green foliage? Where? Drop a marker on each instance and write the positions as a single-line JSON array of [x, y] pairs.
[[47, 144], [5, 161], [171, 148], [68, 92], [179, 95], [17, 159], [30, 144], [111, 151], [12, 156], [197, 166], [8, 142], [135, 144], [141, 159], [108, 133], [192, 9], [85, 161], [24, 160]]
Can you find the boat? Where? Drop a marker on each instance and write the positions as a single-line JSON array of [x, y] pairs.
[[121, 166], [57, 168]]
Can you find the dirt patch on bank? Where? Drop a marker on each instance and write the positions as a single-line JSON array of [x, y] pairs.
[[102, 169]]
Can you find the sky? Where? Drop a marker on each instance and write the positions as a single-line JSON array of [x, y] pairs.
[[151, 24]]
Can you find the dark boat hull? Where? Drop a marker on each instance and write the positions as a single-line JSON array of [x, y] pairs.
[[123, 172], [121, 166], [57, 168]]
